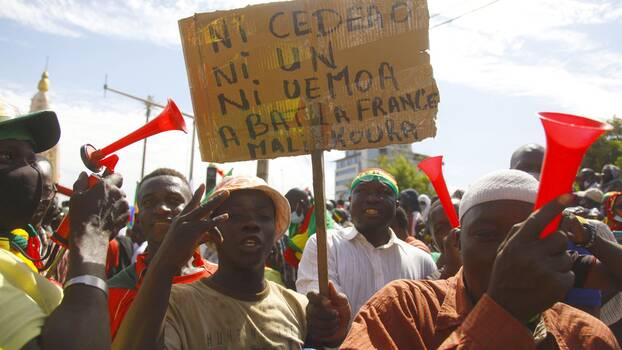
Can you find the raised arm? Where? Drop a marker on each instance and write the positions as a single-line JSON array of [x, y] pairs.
[[81, 319], [605, 272], [529, 275], [143, 325]]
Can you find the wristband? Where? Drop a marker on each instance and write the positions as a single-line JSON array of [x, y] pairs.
[[89, 280], [592, 231]]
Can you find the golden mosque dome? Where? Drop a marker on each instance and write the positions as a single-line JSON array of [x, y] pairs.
[[40, 100], [44, 83]]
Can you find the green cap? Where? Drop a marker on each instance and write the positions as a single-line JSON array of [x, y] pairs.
[[41, 129]]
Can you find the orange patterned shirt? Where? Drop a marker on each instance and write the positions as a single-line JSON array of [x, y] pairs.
[[437, 314]]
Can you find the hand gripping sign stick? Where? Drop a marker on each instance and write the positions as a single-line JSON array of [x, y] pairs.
[[433, 168], [98, 159], [567, 139]]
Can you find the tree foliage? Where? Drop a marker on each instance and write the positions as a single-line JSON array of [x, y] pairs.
[[607, 150], [407, 174]]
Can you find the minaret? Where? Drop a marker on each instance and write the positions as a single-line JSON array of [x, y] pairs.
[[40, 102]]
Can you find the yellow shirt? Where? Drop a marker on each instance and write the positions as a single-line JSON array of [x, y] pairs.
[[199, 317], [26, 300], [5, 244]]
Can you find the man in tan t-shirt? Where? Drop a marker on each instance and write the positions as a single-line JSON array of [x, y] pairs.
[[236, 308], [275, 319]]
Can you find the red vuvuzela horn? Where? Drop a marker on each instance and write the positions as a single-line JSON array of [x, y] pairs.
[[109, 163], [567, 139], [64, 190], [169, 119], [96, 159], [433, 168]]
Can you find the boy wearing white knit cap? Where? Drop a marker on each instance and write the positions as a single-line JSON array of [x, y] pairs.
[[506, 294]]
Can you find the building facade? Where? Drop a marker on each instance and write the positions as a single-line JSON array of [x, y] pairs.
[[354, 161]]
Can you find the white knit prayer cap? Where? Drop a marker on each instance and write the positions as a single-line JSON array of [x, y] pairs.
[[500, 185]]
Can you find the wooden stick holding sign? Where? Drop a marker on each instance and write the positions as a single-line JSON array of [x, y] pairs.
[[317, 163]]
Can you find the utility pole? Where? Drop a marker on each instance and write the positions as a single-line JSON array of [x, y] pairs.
[[147, 115], [263, 169], [194, 134], [149, 104]]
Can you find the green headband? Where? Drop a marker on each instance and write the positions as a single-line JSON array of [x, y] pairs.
[[376, 175]]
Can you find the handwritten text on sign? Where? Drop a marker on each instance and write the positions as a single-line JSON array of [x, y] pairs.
[[287, 78]]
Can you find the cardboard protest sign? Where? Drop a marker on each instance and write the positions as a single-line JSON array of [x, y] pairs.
[[290, 78]]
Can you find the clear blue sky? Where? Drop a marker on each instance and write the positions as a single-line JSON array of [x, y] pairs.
[[495, 69]]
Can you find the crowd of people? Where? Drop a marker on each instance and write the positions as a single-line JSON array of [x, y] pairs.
[[235, 266]]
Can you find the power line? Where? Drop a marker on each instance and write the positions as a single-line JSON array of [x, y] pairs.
[[438, 13], [464, 14]]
